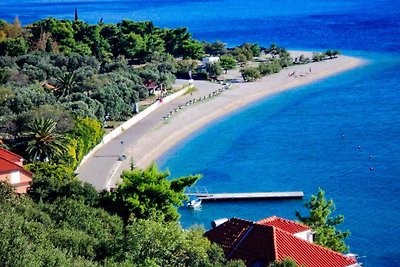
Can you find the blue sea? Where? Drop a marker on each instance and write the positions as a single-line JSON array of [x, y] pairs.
[[341, 134]]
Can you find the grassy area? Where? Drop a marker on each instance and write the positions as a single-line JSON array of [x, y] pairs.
[[191, 90]]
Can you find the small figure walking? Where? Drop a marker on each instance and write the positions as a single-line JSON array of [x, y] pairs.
[[309, 69]]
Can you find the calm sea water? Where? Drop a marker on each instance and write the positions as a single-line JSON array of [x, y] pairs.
[[292, 141]]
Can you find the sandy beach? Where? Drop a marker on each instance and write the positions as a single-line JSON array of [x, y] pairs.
[[167, 133]]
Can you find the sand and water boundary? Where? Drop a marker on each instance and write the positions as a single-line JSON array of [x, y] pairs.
[[152, 136], [167, 134]]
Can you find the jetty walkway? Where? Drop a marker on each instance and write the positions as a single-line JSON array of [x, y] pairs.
[[204, 195]]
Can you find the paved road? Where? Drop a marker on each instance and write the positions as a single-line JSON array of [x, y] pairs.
[[98, 169]]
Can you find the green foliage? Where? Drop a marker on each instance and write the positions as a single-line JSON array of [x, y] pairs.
[[43, 143], [165, 244], [57, 113], [332, 53], [324, 226], [228, 62], [287, 262], [13, 47], [215, 49], [250, 74], [66, 83], [45, 169], [27, 236], [85, 135], [68, 232], [214, 69], [317, 57], [192, 49], [256, 50], [55, 181], [184, 66], [244, 52], [267, 68], [148, 194], [49, 189]]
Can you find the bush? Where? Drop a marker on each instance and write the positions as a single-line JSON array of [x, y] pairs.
[[250, 74]]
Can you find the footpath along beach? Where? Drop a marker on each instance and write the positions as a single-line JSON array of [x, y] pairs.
[[154, 135]]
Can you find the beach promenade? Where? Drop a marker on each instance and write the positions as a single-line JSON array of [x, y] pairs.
[[153, 136]]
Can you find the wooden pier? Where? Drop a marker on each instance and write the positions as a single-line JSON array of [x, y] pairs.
[[205, 196]]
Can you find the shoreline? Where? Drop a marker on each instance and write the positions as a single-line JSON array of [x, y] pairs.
[[167, 134]]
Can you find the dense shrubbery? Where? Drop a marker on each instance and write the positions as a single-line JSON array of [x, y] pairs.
[[61, 223], [66, 71]]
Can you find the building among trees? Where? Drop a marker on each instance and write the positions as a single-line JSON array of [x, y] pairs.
[[274, 239], [12, 170]]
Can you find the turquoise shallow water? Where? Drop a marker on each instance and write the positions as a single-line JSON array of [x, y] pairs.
[[292, 141]]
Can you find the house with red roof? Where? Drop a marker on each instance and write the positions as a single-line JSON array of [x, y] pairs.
[[295, 228], [274, 239], [12, 170]]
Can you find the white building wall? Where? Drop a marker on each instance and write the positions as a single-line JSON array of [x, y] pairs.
[[305, 235], [209, 60], [15, 177]]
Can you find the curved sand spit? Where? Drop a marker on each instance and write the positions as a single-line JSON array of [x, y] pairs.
[[152, 136], [187, 121]]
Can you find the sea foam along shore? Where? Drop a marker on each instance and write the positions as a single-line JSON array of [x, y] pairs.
[[167, 134]]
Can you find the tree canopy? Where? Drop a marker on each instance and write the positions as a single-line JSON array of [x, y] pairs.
[[287, 262], [148, 194], [325, 226], [56, 225]]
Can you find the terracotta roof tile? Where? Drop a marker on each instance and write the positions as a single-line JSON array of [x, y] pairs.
[[228, 233], [257, 246], [308, 254], [259, 243], [8, 155], [8, 166], [284, 224]]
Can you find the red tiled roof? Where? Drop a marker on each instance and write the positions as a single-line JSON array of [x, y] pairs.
[[286, 225], [8, 166], [229, 233], [308, 254], [258, 243], [8, 155]]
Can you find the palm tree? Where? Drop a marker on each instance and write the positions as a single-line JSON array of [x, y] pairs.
[[66, 82], [44, 143]]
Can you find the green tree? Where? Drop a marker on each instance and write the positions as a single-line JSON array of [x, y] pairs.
[[133, 44], [317, 57], [215, 49], [256, 50], [85, 135], [228, 62], [329, 53], [43, 143], [50, 188], [214, 69], [66, 82], [324, 226], [148, 194], [150, 243], [250, 74], [184, 66], [13, 47], [192, 49], [287, 262]]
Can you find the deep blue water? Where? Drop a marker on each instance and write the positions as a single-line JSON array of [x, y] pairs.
[[292, 141]]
